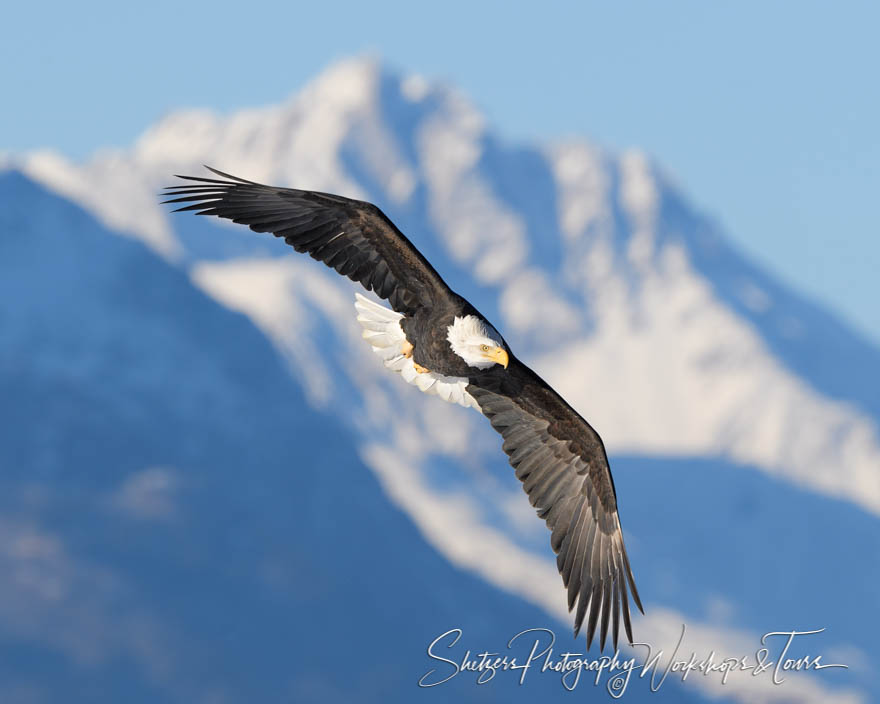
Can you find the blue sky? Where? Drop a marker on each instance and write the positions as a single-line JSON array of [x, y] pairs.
[[766, 113]]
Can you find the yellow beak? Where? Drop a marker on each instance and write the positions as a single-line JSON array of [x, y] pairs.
[[498, 355]]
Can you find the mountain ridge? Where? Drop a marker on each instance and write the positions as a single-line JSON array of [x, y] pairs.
[[657, 331], [178, 523]]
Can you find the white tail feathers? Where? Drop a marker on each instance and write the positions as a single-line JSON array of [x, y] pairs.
[[382, 330]]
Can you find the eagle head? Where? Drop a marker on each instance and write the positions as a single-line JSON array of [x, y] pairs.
[[476, 342]]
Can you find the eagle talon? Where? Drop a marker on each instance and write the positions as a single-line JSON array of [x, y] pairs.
[[420, 369], [406, 349]]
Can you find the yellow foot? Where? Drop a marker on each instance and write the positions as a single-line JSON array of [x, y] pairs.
[[420, 369], [406, 349]]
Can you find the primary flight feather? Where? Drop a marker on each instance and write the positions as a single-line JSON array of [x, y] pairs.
[[440, 343]]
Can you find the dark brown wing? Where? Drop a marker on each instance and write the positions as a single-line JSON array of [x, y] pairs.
[[562, 464], [351, 236]]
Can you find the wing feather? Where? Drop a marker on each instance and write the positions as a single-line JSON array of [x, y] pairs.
[[562, 465], [353, 237]]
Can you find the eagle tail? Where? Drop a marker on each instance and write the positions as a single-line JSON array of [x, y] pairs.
[[382, 330]]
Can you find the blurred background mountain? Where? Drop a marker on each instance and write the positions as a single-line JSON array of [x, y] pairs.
[[213, 491]]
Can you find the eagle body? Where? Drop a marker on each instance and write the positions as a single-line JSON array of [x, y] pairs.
[[437, 341], [428, 333]]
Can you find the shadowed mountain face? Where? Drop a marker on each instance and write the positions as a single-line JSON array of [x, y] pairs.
[[177, 523]]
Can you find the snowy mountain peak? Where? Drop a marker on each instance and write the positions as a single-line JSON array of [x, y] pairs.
[[355, 111], [600, 274], [645, 292], [260, 141]]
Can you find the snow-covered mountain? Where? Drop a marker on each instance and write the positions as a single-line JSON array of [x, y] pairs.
[[741, 418], [177, 523]]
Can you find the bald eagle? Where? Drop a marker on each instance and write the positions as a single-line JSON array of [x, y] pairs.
[[439, 342]]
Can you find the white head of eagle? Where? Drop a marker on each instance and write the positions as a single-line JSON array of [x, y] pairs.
[[475, 342]]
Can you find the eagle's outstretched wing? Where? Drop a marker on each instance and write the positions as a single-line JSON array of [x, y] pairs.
[[562, 464], [351, 236], [556, 454]]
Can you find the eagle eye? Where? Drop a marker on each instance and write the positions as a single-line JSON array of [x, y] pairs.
[[485, 348]]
